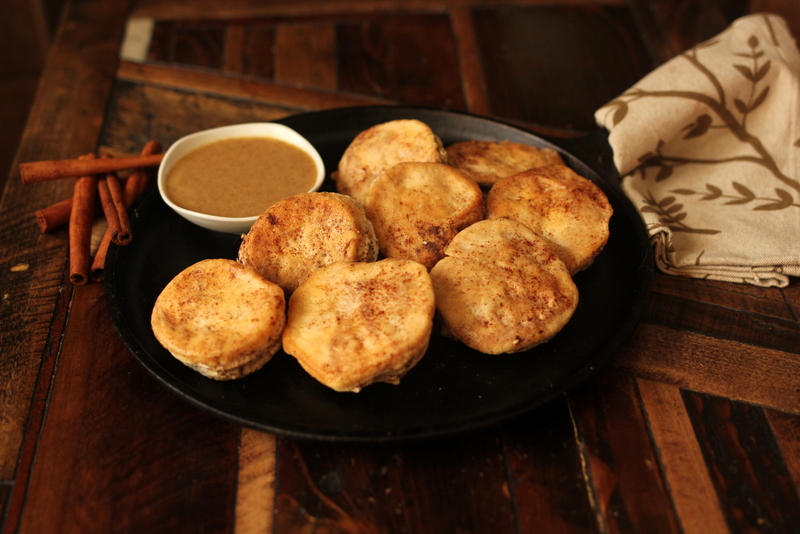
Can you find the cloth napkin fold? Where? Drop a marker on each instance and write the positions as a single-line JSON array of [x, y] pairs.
[[708, 146]]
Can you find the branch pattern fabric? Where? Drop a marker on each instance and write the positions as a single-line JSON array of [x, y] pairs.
[[708, 147]]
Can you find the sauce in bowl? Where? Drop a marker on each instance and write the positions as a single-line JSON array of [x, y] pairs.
[[239, 177]]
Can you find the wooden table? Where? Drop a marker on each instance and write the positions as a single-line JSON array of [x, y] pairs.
[[693, 427]]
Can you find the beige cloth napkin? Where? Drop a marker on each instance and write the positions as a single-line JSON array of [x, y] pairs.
[[708, 146]]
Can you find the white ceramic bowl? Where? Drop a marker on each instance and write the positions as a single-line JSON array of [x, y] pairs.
[[231, 225]]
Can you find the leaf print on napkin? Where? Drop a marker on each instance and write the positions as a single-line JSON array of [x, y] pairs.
[[783, 199], [721, 115], [671, 214], [699, 127]]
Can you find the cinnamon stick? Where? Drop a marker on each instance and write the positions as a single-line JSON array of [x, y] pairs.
[[135, 185], [57, 215], [40, 171], [124, 235], [109, 209], [54, 216], [137, 182], [80, 227], [99, 261]]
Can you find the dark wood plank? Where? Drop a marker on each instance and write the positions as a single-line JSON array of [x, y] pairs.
[[470, 63], [627, 486], [558, 75], [237, 9], [724, 321], [118, 451], [425, 75], [197, 44], [25, 37], [38, 410], [17, 94], [255, 488], [140, 112], [654, 34], [363, 57], [5, 497], [690, 22], [233, 48], [258, 60], [546, 476], [161, 41], [755, 489], [675, 26], [64, 122], [724, 368], [252, 90], [786, 428], [25, 33], [145, 109], [792, 296], [305, 54], [447, 486], [391, 56], [745, 297], [681, 459]]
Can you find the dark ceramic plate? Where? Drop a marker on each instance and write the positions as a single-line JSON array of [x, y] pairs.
[[453, 389]]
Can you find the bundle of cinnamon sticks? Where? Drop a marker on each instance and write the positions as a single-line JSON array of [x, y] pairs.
[[98, 190]]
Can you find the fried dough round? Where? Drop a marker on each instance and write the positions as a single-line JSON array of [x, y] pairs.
[[220, 318], [297, 235], [558, 204], [379, 148], [417, 208], [501, 289], [488, 161], [352, 324]]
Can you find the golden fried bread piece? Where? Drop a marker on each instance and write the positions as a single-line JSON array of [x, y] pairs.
[[555, 202], [417, 208], [379, 148], [298, 235], [352, 324], [488, 161], [501, 289], [220, 318]]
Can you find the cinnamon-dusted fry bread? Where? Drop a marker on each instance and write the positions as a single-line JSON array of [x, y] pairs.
[[298, 235], [417, 208], [555, 202], [501, 289], [488, 161], [379, 148], [220, 318], [352, 324]]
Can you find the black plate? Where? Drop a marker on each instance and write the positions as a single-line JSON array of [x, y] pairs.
[[453, 389]]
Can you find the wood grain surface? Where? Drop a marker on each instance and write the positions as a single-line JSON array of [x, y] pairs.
[[694, 427], [69, 109]]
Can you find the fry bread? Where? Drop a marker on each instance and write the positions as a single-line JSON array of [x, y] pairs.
[[379, 148], [558, 204], [352, 324], [220, 318], [488, 161], [417, 208], [501, 289], [298, 235]]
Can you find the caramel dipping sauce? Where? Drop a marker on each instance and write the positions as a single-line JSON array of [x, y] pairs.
[[239, 177], [227, 176]]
